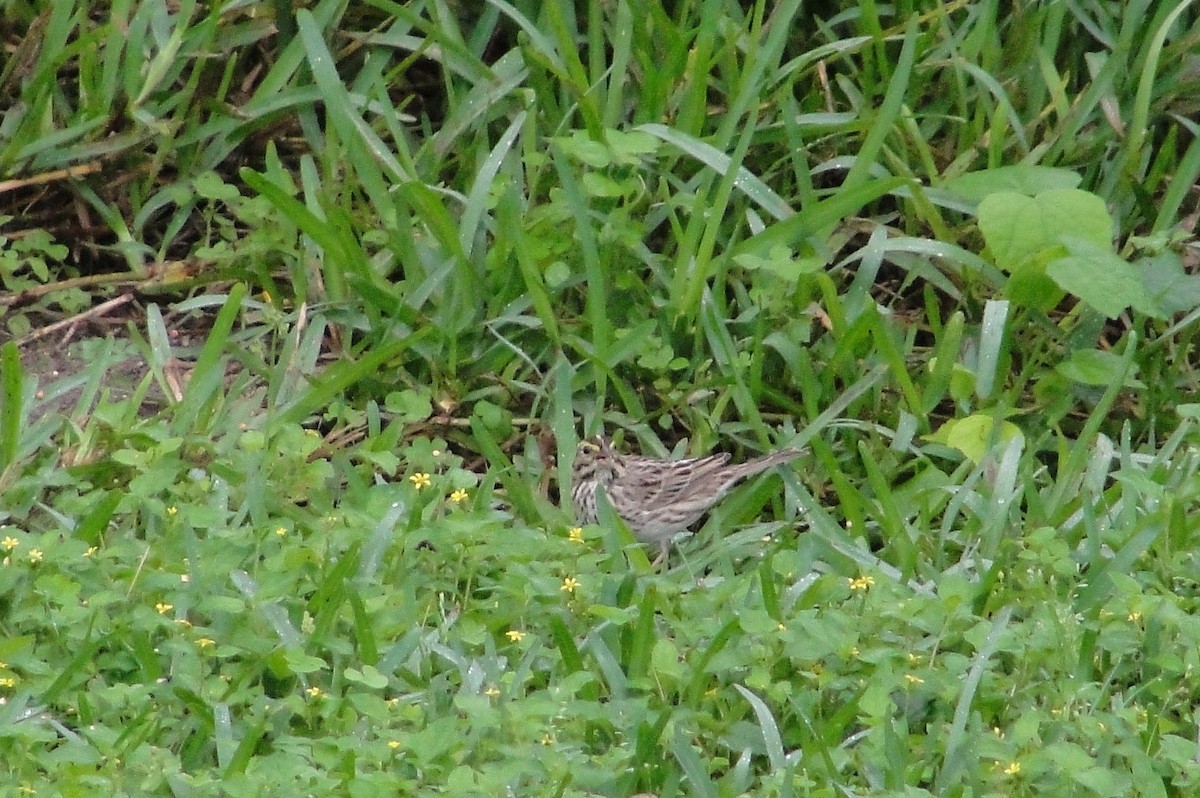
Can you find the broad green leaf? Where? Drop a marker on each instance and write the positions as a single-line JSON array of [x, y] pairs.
[[1020, 230], [975, 435], [1094, 367], [1099, 277], [1027, 179]]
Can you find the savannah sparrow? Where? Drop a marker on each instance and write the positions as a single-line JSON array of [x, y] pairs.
[[657, 499]]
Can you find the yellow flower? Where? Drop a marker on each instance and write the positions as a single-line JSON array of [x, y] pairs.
[[1013, 769], [420, 480], [492, 691], [91, 550], [281, 531], [547, 739], [569, 584], [575, 534], [861, 583], [8, 681], [172, 510], [162, 608], [515, 635], [35, 555], [315, 692], [1134, 616], [11, 543], [459, 495], [913, 679], [205, 642], [393, 744]]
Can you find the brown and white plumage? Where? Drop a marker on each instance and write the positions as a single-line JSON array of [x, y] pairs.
[[657, 499]]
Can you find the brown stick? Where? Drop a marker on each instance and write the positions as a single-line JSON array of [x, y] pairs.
[[99, 310]]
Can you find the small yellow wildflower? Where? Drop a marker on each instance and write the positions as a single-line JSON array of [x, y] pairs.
[[420, 480], [913, 679], [459, 495], [575, 534], [281, 531], [515, 635], [492, 691], [35, 555], [779, 627], [1134, 617], [569, 584], [861, 583], [393, 744], [8, 681], [11, 543], [1013, 769], [315, 692], [90, 551], [547, 739], [206, 642], [162, 608], [172, 510]]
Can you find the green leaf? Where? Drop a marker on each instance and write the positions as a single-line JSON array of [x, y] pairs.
[[299, 662], [1020, 230], [975, 435], [368, 676], [781, 261], [1025, 233], [583, 148], [410, 405], [1100, 277], [1094, 367], [1167, 285], [1025, 179]]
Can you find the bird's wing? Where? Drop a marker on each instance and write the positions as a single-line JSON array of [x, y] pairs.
[[667, 482]]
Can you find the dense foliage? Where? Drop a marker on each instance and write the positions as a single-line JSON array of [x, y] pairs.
[[385, 263]]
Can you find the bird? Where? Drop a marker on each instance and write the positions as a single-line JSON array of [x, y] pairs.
[[657, 499]]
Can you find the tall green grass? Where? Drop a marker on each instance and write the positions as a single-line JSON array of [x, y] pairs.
[[946, 246]]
